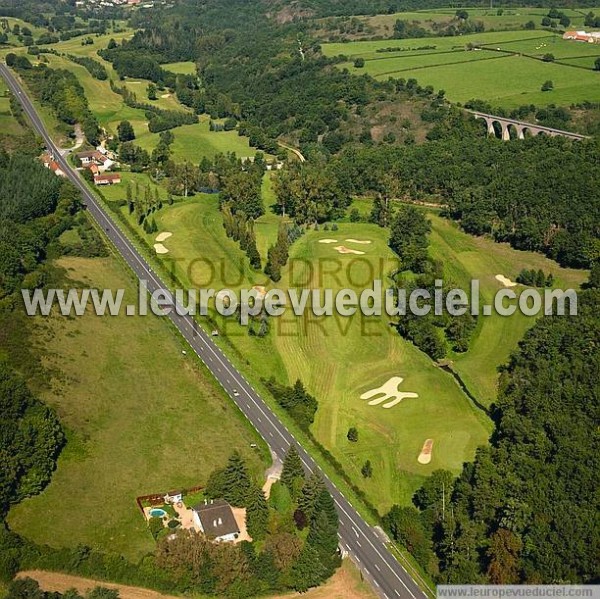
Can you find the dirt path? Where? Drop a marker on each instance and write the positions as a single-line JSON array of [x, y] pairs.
[[79, 139], [272, 474], [293, 150], [345, 584]]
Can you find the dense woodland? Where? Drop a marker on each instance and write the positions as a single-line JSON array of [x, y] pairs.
[[538, 195], [300, 95]]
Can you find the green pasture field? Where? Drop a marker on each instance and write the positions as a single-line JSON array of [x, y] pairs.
[[551, 44], [140, 416], [368, 49], [8, 124], [510, 80]]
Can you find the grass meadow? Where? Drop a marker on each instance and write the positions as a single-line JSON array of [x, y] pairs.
[[506, 70], [183, 68], [194, 142], [140, 418]]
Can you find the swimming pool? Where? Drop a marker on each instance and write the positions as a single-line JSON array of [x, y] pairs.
[[157, 513]]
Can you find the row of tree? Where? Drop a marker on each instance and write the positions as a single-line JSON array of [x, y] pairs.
[[409, 239], [535, 278], [278, 253], [296, 400], [241, 228], [158, 119], [28, 588], [93, 67]]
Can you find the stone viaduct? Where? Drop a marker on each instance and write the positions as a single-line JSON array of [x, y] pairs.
[[520, 127]]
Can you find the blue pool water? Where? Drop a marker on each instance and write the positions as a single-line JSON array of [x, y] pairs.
[[157, 512]]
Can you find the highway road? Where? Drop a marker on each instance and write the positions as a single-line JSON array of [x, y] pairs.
[[363, 543]]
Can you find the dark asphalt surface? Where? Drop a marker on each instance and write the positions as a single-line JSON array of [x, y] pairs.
[[362, 542]]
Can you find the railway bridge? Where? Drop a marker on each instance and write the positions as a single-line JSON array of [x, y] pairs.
[[520, 127]]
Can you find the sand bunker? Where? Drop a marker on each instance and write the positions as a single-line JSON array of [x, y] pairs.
[[506, 282], [163, 236], [425, 455], [261, 291], [342, 249], [328, 240], [361, 241], [388, 391], [166, 96], [159, 248]]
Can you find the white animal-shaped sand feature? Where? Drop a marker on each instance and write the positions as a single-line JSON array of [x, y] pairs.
[[505, 281], [328, 240], [389, 393], [342, 249], [361, 241]]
